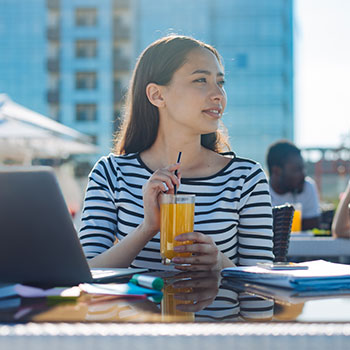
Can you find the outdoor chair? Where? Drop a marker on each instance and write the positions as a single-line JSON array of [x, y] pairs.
[[282, 223]]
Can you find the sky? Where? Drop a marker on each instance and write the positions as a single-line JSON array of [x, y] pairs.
[[322, 72]]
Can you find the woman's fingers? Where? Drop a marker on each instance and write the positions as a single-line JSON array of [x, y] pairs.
[[163, 186], [197, 248], [200, 244], [204, 253], [194, 237], [164, 179], [174, 167]]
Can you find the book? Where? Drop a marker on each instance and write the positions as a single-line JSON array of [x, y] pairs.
[[8, 290], [320, 275]]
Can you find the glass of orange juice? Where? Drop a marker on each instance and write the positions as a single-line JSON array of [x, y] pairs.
[[296, 224], [176, 217]]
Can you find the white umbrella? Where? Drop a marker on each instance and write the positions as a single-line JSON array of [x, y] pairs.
[[12, 110], [24, 133], [12, 129]]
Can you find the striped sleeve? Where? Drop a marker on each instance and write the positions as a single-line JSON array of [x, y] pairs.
[[99, 216], [255, 220]]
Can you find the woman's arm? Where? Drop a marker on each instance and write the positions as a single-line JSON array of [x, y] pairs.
[[99, 219], [255, 235], [125, 251], [341, 221]]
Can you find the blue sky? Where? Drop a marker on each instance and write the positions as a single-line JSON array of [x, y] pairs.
[[322, 72]]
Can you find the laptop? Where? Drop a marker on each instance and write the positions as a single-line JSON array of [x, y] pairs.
[[38, 241]]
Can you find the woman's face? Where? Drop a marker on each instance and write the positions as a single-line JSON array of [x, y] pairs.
[[195, 97]]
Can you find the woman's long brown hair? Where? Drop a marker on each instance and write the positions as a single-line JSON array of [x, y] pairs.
[[157, 64]]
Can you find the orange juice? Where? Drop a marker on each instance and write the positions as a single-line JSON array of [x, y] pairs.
[[169, 304], [176, 217], [296, 224]]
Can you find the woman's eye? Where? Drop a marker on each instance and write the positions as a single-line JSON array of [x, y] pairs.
[[201, 80], [221, 82]]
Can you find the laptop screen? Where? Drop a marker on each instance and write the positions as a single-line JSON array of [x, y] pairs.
[[38, 241]]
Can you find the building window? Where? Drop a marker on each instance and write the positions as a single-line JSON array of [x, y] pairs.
[[86, 112], [86, 17], [86, 48], [85, 80]]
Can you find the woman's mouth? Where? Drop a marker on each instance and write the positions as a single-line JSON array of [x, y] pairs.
[[213, 112]]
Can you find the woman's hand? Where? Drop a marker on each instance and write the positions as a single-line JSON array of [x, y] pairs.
[[205, 254], [161, 181]]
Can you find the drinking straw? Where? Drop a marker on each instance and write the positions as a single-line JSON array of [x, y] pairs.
[[178, 160]]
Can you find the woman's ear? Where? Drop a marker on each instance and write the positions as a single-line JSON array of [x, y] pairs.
[[154, 94]]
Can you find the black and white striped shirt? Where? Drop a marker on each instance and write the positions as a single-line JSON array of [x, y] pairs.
[[233, 207]]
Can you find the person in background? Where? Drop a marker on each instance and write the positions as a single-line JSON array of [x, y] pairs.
[[175, 103], [341, 221], [288, 183]]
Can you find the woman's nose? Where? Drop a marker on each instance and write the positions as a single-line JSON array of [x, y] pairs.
[[218, 93]]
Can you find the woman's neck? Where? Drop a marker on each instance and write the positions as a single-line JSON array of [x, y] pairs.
[[165, 151], [196, 160]]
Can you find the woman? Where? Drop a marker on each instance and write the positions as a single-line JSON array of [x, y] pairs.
[[175, 103], [341, 221]]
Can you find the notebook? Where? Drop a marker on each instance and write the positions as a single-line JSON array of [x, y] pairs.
[[38, 241]]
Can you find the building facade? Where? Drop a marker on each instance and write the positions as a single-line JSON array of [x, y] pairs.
[[80, 61], [23, 71], [90, 52], [87, 48]]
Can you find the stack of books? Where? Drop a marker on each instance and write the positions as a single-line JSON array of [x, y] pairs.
[[318, 275]]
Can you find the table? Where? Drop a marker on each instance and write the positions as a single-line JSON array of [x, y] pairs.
[[221, 317], [306, 245]]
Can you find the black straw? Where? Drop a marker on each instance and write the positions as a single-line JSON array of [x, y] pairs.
[[178, 160]]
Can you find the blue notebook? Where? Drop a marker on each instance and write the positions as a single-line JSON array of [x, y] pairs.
[[320, 275]]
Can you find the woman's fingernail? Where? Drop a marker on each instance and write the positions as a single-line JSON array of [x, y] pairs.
[[179, 248]]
